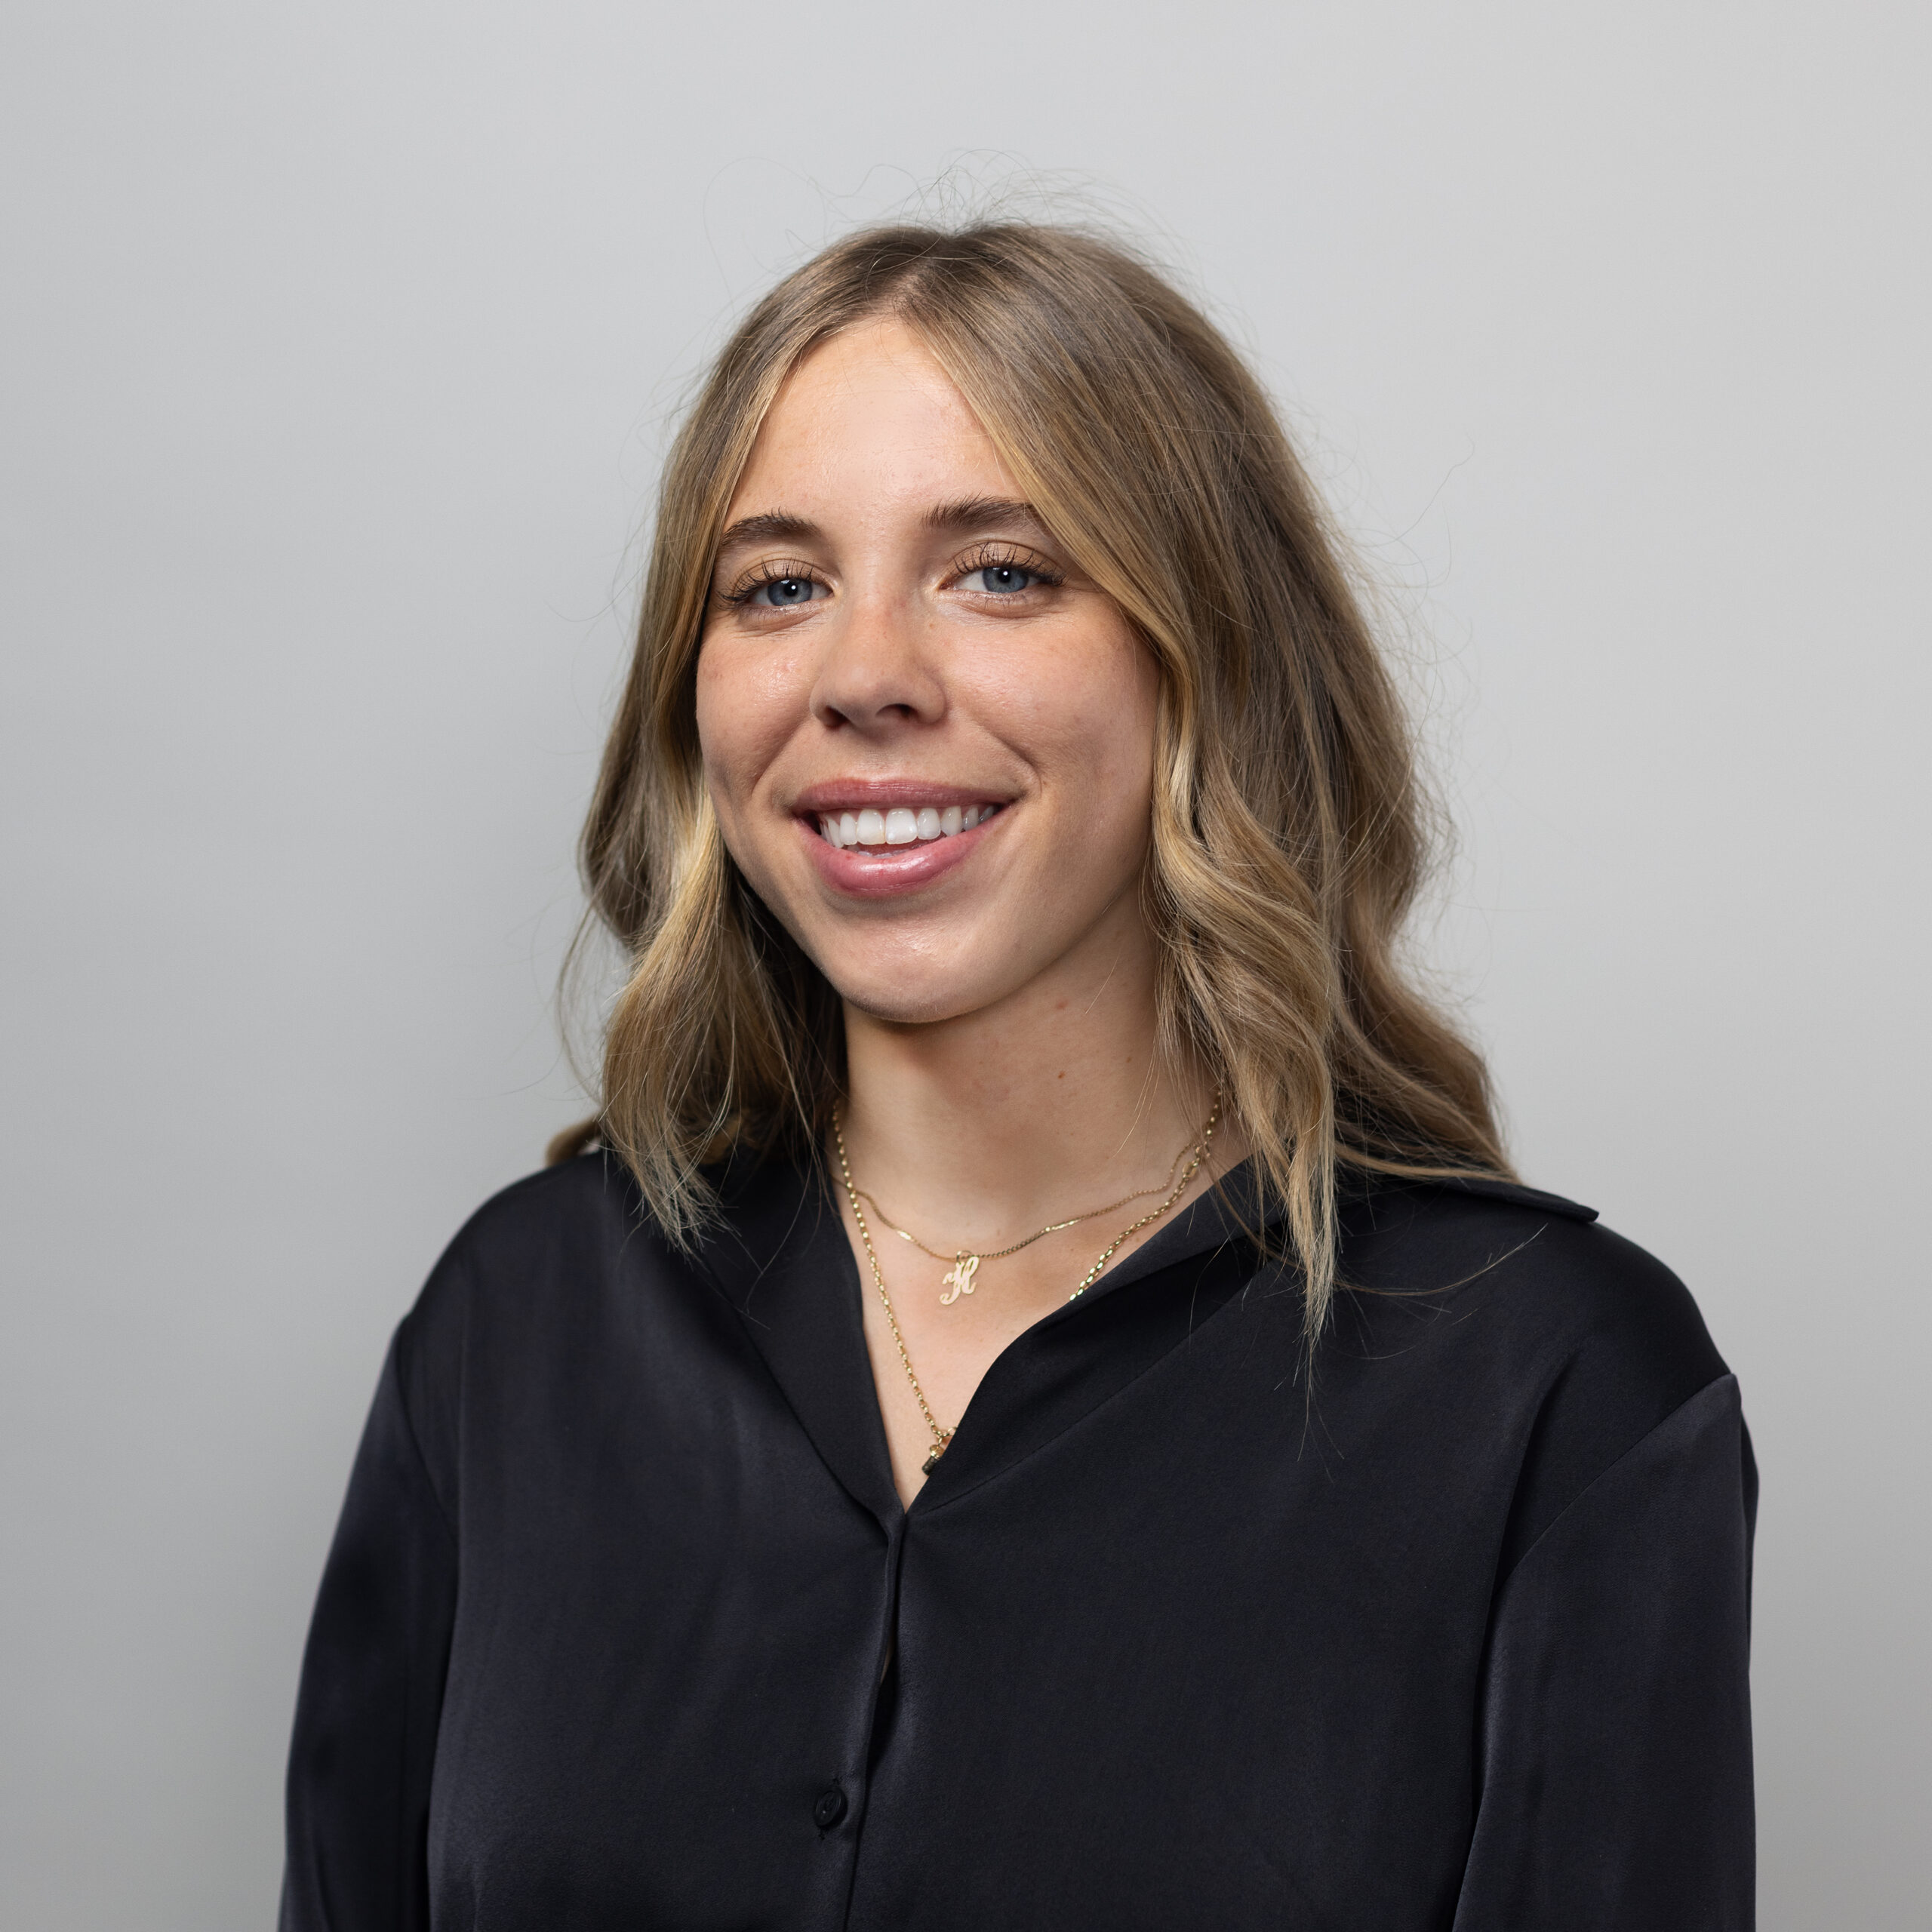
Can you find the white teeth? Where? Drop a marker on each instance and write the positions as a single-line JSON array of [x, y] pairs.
[[901, 825]]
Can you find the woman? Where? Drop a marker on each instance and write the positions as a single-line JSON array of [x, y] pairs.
[[1042, 1404]]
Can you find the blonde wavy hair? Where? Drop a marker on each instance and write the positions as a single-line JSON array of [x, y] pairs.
[[1289, 835]]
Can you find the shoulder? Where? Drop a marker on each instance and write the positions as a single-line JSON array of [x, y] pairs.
[[559, 1297], [1542, 1269], [1556, 1334], [536, 1253], [582, 1205]]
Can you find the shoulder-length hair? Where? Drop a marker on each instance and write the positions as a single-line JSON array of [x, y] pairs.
[[1288, 836]]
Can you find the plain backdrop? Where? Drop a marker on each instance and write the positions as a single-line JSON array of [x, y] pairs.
[[339, 347]]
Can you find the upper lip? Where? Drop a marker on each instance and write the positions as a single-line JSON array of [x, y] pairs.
[[879, 794]]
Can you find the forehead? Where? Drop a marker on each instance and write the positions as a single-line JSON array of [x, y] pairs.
[[869, 422]]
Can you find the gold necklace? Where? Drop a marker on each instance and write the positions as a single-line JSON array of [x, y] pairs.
[[941, 1437], [966, 1261]]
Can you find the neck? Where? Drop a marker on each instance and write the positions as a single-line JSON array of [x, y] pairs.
[[978, 1129]]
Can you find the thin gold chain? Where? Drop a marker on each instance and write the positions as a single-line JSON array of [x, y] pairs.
[[1051, 1228], [941, 1437], [1200, 1148]]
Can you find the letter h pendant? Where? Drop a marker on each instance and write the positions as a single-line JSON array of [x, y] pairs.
[[960, 1278]]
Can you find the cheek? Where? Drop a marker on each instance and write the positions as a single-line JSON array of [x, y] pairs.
[[1123, 722], [1092, 728], [1117, 747], [746, 710]]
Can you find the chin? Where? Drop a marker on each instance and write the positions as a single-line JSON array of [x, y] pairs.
[[914, 997]]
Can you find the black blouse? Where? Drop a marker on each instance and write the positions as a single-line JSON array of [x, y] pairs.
[[624, 1625]]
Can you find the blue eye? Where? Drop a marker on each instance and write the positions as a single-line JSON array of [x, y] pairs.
[[1005, 579], [784, 593]]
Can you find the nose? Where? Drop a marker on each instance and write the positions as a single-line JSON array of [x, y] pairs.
[[875, 675]]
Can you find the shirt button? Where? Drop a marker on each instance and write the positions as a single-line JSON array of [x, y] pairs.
[[830, 1809]]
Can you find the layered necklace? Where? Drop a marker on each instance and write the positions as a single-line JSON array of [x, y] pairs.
[[958, 1279]]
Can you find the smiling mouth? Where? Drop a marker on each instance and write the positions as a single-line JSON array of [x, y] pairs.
[[903, 824]]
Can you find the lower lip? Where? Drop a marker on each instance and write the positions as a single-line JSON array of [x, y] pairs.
[[888, 872]]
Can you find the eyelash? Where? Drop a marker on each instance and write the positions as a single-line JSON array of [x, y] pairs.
[[779, 570], [992, 556], [1006, 557]]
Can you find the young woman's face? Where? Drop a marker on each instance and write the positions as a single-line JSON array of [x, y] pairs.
[[929, 740]]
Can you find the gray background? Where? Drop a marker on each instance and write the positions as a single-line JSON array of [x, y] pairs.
[[339, 343]]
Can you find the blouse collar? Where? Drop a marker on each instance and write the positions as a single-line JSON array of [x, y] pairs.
[[780, 1257]]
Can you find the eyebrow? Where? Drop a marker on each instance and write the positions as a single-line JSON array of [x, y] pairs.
[[776, 523], [976, 513], [968, 513]]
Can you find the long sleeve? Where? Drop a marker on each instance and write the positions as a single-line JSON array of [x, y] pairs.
[[1615, 1761], [371, 1691]]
